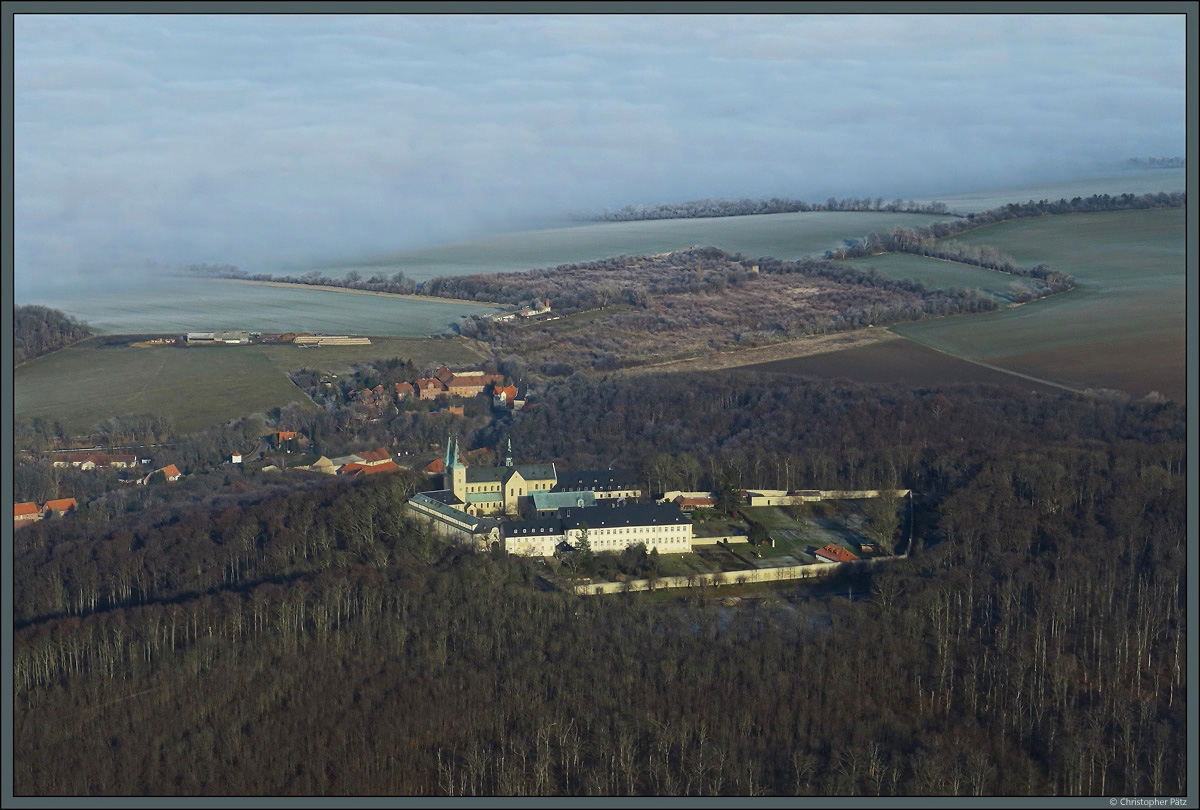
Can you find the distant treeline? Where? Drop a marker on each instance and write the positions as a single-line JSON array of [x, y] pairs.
[[396, 283], [40, 330], [697, 209], [1157, 163]]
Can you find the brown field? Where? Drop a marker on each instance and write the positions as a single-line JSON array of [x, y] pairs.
[[898, 361], [776, 352], [1138, 366]]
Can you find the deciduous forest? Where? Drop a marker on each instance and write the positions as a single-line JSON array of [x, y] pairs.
[[239, 640], [40, 330]]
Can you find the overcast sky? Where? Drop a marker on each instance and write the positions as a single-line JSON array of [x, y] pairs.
[[267, 140]]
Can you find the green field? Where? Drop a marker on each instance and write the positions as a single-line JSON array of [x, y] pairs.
[[937, 274], [196, 388], [1122, 327]]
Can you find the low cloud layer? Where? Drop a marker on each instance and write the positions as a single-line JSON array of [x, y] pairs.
[[272, 141]]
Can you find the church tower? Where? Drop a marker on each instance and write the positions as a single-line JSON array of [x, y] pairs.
[[455, 476]]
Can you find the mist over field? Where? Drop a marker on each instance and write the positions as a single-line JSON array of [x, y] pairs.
[[275, 142]]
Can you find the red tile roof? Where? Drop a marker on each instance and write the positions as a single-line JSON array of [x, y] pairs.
[[405, 390], [25, 509], [61, 505], [375, 456], [444, 374], [355, 468], [284, 435], [835, 554], [171, 471], [437, 466]]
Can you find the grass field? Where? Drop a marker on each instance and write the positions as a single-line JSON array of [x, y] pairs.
[[196, 388], [1122, 327], [937, 274]]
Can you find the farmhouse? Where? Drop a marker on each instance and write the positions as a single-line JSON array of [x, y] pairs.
[[27, 511], [59, 507]]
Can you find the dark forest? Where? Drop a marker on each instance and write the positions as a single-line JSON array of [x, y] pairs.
[[255, 641]]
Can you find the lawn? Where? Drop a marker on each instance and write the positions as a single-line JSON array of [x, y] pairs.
[[196, 388]]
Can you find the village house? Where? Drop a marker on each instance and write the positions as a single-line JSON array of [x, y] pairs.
[[429, 387], [372, 458], [26, 512], [93, 461], [59, 507]]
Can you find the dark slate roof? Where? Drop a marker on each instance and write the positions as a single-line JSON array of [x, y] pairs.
[[443, 496], [615, 514], [532, 528], [476, 525], [597, 481], [530, 472]]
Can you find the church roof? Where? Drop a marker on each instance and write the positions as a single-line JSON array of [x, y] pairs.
[[530, 472]]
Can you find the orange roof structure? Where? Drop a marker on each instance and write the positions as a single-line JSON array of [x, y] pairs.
[[375, 456], [354, 468], [25, 510], [834, 553], [61, 505], [171, 471]]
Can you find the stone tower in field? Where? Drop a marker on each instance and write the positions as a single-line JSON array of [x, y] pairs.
[[454, 478]]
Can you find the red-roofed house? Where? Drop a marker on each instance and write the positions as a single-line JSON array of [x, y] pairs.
[[405, 390], [832, 553], [504, 396], [60, 506], [172, 472], [26, 511], [354, 468], [443, 374], [430, 387], [435, 467], [371, 458], [687, 504]]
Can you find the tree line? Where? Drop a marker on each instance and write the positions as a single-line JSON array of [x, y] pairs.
[[397, 283], [39, 330], [746, 207]]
